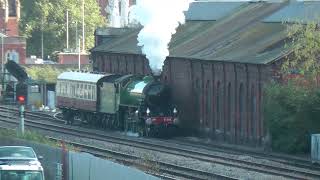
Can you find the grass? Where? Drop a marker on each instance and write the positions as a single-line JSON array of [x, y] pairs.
[[31, 136]]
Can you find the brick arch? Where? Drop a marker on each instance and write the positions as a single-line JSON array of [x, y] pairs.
[[218, 106], [208, 104], [241, 123], [253, 111], [229, 109]]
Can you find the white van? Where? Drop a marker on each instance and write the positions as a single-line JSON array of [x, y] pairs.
[[19, 163]]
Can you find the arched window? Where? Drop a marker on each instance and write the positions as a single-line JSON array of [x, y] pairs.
[[253, 111], [229, 108], [12, 8], [218, 105], [241, 108], [12, 56]]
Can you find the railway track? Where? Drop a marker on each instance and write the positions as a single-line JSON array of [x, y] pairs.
[[164, 170], [280, 158], [175, 149]]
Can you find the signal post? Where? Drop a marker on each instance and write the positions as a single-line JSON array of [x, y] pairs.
[[21, 100]]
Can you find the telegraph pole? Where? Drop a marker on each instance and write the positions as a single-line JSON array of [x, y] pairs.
[[67, 30], [42, 38], [79, 60], [83, 38]]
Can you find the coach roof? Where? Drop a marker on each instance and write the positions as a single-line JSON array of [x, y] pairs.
[[79, 76]]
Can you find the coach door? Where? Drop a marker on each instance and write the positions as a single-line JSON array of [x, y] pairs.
[[108, 98]]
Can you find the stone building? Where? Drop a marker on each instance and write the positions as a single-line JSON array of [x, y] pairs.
[[13, 46], [219, 62]]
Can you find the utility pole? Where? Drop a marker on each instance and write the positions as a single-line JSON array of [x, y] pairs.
[[42, 38], [2, 65], [83, 38], [79, 58], [67, 30], [2, 61], [76, 36]]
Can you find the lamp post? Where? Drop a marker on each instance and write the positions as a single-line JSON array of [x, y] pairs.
[[83, 38], [2, 59]]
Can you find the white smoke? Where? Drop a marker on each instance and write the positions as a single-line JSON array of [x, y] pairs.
[[124, 12], [159, 19], [114, 14]]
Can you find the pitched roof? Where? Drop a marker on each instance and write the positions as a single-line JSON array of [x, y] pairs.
[[208, 11], [241, 36], [302, 11]]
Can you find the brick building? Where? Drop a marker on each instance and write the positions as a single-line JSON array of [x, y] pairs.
[[73, 58], [219, 62], [14, 46]]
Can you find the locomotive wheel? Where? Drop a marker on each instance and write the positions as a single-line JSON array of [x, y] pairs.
[[68, 117], [65, 116]]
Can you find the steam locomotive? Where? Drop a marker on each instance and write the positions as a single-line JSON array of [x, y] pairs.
[[133, 103]]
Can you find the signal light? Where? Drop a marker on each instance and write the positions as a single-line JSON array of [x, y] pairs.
[[21, 99]]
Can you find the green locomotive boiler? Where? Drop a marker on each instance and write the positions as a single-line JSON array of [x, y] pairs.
[[135, 103]]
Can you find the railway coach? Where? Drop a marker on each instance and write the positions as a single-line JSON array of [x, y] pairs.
[[135, 103]]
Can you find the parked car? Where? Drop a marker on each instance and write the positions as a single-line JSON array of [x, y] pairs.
[[19, 163]]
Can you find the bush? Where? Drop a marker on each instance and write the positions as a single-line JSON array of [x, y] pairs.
[[292, 114]]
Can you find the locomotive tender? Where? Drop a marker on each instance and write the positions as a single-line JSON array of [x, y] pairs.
[[127, 102]]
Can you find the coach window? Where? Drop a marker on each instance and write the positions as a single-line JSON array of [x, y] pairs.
[[68, 89], [80, 91], [86, 91], [73, 89], [57, 88], [77, 90], [94, 93], [89, 91], [62, 88]]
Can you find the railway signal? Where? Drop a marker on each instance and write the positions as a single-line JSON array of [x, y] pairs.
[[21, 100]]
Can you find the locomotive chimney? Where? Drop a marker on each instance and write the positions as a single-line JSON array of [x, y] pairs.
[[156, 74]]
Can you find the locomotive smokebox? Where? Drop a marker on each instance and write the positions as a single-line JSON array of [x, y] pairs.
[[156, 77]]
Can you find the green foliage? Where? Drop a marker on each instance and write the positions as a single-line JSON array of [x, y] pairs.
[[305, 45], [47, 73], [292, 114], [49, 17]]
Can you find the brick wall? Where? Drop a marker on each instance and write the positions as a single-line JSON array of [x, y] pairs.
[[12, 26], [73, 58], [14, 44]]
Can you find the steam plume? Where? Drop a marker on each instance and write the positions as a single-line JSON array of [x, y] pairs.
[[159, 19]]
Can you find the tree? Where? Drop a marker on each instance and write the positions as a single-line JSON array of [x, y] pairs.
[[305, 45], [49, 17]]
